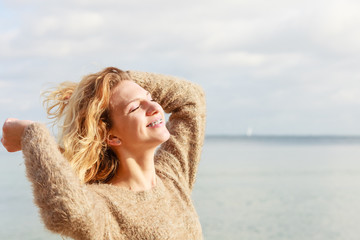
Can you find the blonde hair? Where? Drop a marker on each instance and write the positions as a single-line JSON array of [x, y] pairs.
[[84, 109]]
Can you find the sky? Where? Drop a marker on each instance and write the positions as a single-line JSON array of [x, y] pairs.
[[267, 67]]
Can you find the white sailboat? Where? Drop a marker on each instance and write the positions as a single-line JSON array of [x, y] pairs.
[[249, 132]]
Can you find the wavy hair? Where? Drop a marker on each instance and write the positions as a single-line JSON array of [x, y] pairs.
[[82, 112]]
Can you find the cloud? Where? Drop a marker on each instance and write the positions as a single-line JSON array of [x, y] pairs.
[[337, 23], [74, 23], [265, 64]]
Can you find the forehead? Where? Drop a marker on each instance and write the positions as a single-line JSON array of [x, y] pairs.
[[125, 92]]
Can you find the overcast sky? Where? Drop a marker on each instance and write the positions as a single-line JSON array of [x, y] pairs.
[[276, 67]]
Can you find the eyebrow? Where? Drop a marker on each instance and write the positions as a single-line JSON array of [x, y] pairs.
[[136, 99]]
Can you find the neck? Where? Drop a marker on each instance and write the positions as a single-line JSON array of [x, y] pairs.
[[136, 171]]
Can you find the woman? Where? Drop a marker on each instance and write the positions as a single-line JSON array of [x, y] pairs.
[[119, 184]]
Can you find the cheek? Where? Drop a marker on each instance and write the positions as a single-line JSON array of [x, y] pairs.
[[133, 125], [121, 126]]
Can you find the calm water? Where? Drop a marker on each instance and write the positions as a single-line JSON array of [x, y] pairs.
[[280, 188], [247, 188]]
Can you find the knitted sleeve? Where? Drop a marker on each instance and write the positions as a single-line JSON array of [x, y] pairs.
[[185, 101], [66, 206]]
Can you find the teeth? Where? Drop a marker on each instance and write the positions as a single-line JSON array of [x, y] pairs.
[[155, 123]]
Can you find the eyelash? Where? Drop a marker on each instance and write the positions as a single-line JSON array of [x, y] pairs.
[[152, 100], [134, 109]]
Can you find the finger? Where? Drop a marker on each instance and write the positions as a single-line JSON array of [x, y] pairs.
[[3, 142], [5, 124]]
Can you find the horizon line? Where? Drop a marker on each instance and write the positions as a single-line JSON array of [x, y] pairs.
[[281, 135]]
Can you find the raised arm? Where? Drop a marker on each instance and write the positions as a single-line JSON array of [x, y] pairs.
[[66, 206], [186, 103]]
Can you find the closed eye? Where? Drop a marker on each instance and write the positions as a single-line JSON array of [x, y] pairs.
[[133, 110]]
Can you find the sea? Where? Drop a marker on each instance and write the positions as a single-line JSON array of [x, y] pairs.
[[247, 188]]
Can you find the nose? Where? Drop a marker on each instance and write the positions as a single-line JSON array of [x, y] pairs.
[[153, 109]]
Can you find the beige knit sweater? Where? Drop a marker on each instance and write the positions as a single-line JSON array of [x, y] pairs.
[[104, 211]]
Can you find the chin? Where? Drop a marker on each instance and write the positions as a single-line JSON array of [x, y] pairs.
[[161, 138], [157, 137], [164, 137]]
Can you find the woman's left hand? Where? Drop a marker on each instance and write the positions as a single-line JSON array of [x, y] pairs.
[[13, 130]]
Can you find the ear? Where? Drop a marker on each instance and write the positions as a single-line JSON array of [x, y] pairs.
[[113, 141]]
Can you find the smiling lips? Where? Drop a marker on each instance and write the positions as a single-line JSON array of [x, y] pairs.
[[155, 123]]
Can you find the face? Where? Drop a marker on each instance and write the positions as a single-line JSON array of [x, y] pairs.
[[137, 121]]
